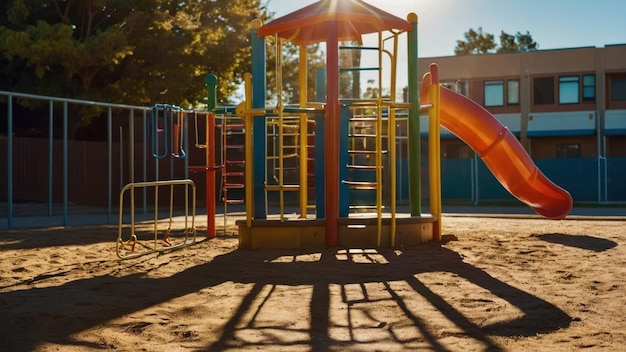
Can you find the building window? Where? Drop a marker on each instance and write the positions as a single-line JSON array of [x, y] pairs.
[[543, 90], [589, 87], [618, 88], [568, 89], [494, 93], [568, 150], [512, 92]]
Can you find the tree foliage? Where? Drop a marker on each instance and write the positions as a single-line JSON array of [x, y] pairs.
[[515, 43], [133, 52], [478, 42]]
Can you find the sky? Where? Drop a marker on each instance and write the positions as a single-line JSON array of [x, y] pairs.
[[553, 24]]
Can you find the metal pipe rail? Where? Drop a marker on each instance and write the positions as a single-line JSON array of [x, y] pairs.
[[127, 249]]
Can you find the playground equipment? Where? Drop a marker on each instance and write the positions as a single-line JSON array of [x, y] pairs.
[[499, 149], [137, 244], [345, 147], [343, 169], [355, 150], [166, 137]]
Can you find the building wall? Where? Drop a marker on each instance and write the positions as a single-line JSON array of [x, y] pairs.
[[546, 147], [616, 146], [604, 64]]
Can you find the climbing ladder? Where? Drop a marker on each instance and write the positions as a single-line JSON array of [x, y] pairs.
[[233, 159], [366, 153], [284, 156]]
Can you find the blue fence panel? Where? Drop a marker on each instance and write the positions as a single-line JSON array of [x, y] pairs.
[[402, 181], [616, 179], [489, 188], [456, 179], [579, 176]]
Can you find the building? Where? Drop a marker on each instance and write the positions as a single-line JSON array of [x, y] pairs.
[[567, 107]]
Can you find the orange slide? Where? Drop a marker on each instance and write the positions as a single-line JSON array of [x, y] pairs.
[[501, 151]]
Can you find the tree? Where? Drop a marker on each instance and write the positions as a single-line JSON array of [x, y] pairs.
[[134, 52], [477, 42], [516, 43]]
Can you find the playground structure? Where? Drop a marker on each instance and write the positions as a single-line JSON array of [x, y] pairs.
[[340, 127], [339, 155], [167, 136], [340, 124]]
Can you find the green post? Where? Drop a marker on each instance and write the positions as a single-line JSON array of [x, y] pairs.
[[210, 81], [414, 139]]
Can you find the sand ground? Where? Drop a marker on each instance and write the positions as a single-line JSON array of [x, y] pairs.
[[493, 284]]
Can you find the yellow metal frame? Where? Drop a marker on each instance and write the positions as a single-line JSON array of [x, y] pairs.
[[167, 245], [434, 152], [245, 110]]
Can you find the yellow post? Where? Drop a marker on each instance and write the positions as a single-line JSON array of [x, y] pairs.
[[280, 108], [379, 143], [391, 141], [434, 151]]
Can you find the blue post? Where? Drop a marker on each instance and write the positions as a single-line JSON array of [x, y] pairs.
[[65, 164], [50, 156], [10, 162], [258, 125], [110, 164]]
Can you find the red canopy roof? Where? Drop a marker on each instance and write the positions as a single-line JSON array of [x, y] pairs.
[[354, 18]]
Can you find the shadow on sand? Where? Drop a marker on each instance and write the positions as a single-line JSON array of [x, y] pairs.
[[579, 241], [56, 314]]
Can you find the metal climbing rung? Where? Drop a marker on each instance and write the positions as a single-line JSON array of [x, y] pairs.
[[233, 158]]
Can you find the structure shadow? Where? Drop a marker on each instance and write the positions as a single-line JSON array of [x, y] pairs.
[[57, 314], [579, 241]]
